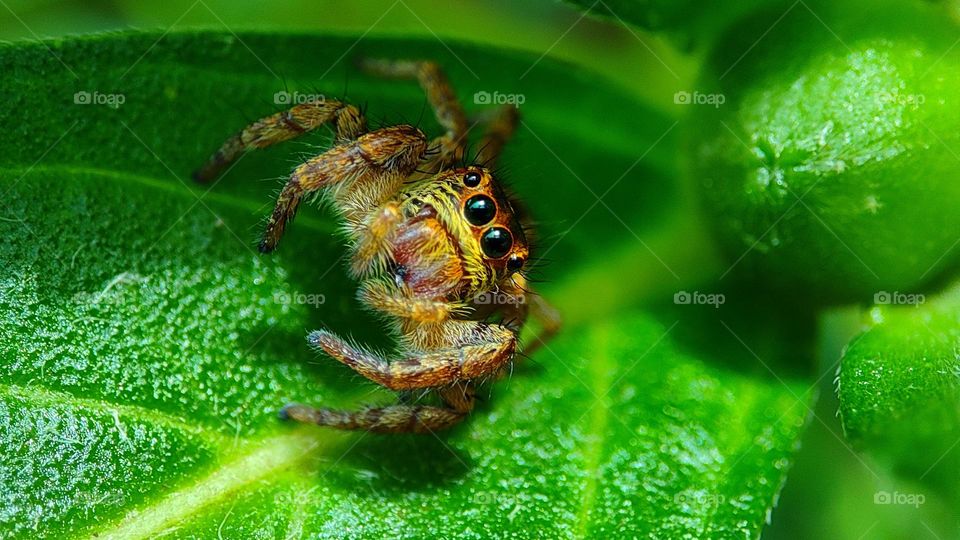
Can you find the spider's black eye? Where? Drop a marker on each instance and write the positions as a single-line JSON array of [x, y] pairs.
[[472, 179], [496, 242], [514, 263], [480, 210]]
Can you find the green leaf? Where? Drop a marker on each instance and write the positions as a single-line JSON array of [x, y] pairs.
[[146, 348], [834, 148], [898, 386], [687, 21]]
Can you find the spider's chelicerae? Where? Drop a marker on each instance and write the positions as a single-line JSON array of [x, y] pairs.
[[429, 239]]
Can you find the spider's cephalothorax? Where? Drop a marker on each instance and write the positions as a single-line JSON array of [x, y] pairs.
[[430, 244], [479, 243]]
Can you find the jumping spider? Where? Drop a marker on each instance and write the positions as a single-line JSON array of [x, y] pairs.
[[428, 239]]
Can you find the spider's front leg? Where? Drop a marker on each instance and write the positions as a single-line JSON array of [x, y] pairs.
[[476, 350], [466, 351], [362, 170], [348, 121]]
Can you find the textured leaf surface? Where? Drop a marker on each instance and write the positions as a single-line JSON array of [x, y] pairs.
[[145, 347], [898, 387]]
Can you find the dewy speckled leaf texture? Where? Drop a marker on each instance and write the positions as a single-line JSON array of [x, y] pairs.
[[145, 347]]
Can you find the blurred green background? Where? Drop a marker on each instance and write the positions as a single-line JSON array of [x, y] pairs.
[[640, 62], [830, 491]]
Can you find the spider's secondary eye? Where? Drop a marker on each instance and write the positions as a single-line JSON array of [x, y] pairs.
[[472, 179], [514, 263], [496, 242], [479, 210]]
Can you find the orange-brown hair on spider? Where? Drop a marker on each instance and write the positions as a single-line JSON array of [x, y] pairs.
[[432, 244]]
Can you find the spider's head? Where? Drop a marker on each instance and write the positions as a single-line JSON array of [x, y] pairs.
[[488, 223]]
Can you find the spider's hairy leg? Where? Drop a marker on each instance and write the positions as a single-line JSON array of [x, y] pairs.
[[363, 172], [348, 121], [442, 98], [460, 396], [492, 348], [499, 130]]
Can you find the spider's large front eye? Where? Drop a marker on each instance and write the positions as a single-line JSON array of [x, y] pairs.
[[496, 242], [479, 210]]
